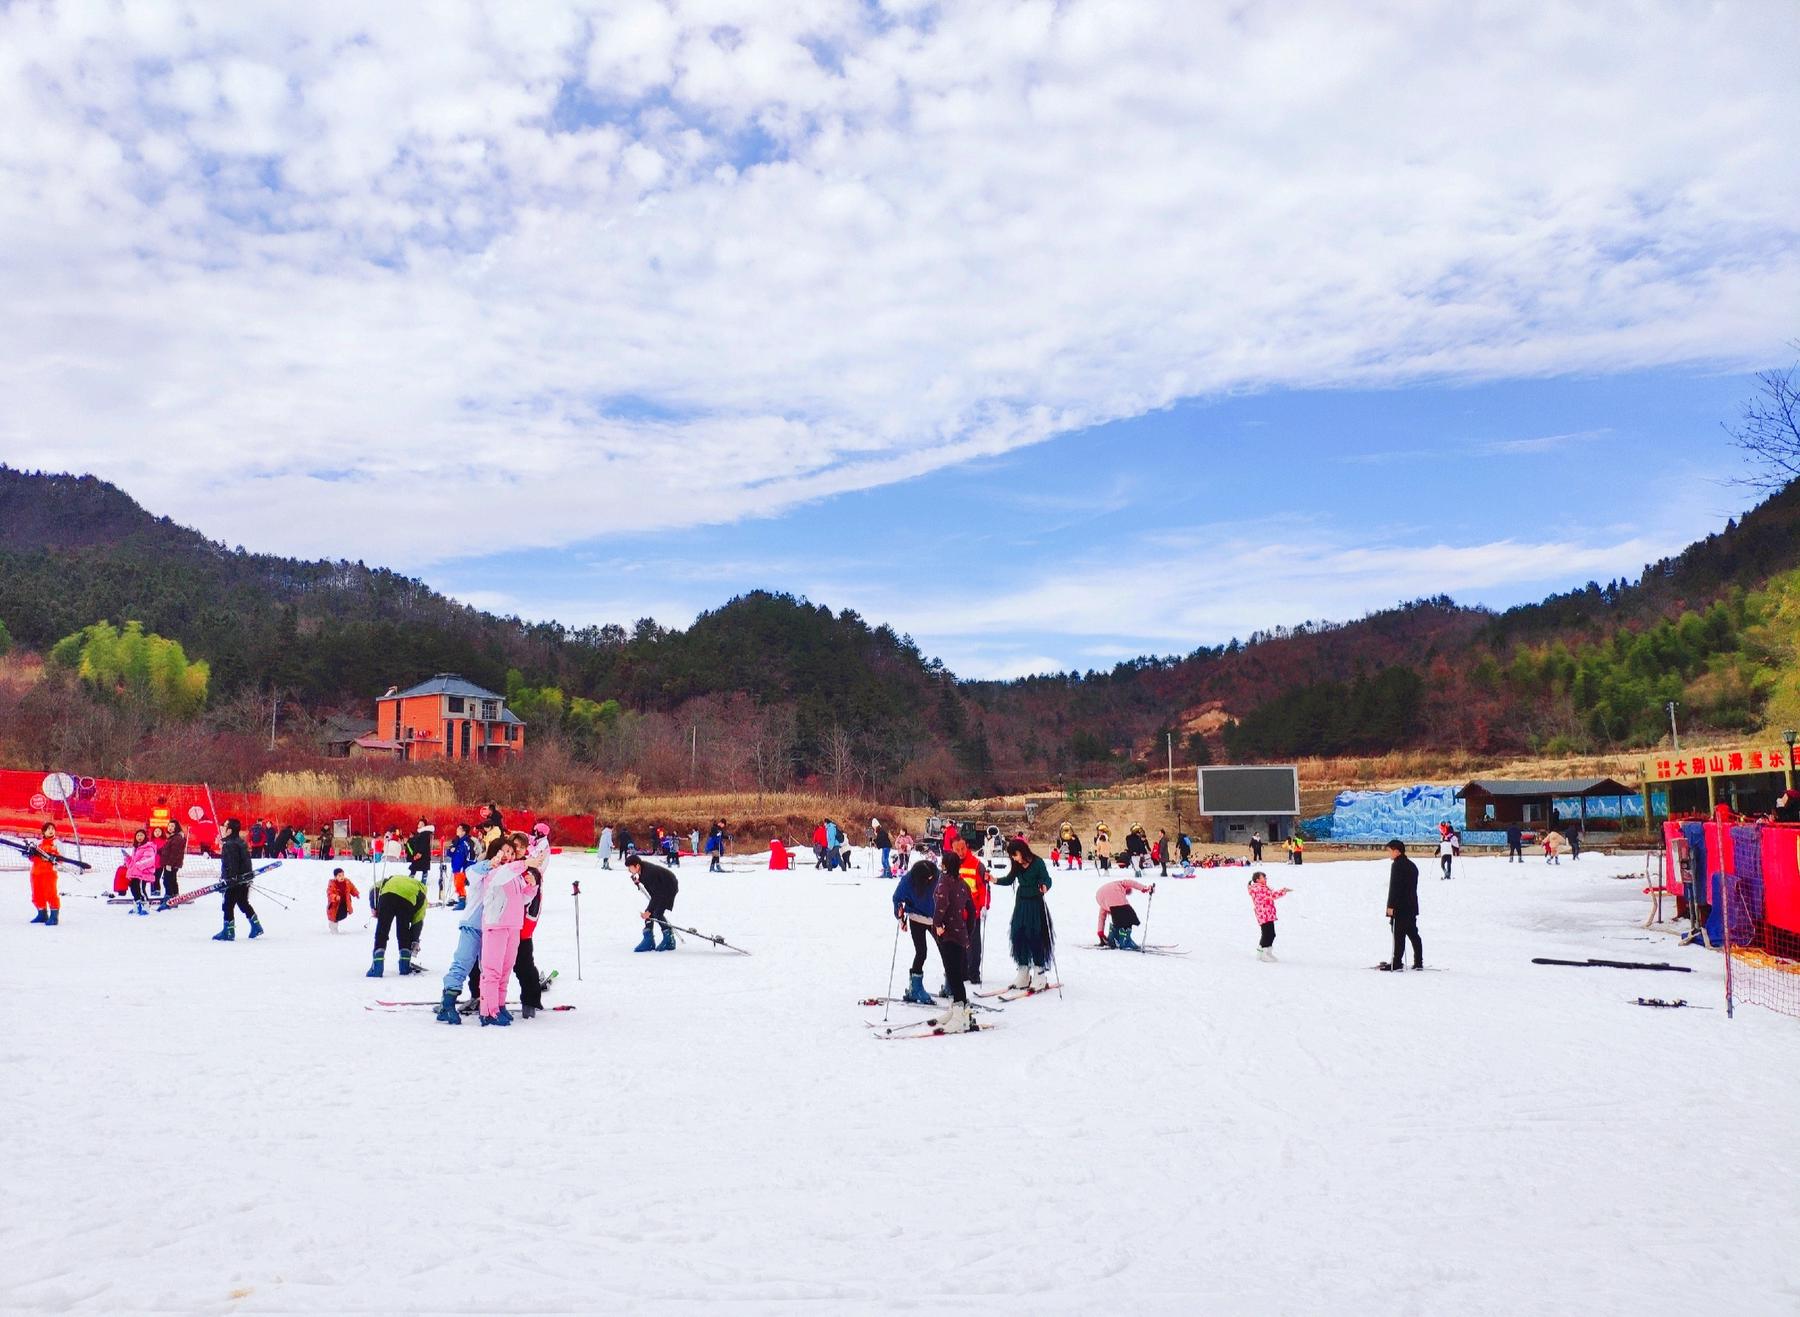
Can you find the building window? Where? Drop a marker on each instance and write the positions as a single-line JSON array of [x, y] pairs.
[[490, 710], [454, 703]]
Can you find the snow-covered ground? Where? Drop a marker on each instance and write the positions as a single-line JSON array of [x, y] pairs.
[[203, 1128]]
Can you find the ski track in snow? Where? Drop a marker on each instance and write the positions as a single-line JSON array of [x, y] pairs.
[[190, 1127]]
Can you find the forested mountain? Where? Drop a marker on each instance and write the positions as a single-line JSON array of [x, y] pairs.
[[826, 693]]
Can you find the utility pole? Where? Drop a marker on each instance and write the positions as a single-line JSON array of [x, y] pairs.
[[693, 752], [274, 709], [1674, 735]]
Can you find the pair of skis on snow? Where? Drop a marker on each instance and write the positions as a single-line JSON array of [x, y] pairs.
[[1151, 949]]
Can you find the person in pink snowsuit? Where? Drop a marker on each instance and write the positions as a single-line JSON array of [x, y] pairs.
[[1263, 898], [510, 888], [140, 868], [1114, 899]]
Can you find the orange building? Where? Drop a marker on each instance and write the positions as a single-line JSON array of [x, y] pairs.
[[448, 718]]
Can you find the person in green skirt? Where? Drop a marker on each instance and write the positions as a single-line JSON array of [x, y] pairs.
[[1032, 936]]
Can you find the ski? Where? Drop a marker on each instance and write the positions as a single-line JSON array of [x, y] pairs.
[[25, 848], [937, 1004], [1430, 969], [1155, 949], [1020, 994], [213, 889], [930, 1033], [708, 937], [1592, 963], [1678, 1002], [406, 1005]]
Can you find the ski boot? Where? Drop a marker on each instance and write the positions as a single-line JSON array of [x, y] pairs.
[[1391, 966], [446, 1010], [1122, 940], [668, 939], [470, 1007], [255, 927], [162, 905], [1039, 979], [406, 965], [503, 1016], [42, 917], [528, 1011], [649, 939], [959, 1020], [1023, 978], [379, 966], [916, 994], [55, 918], [139, 909], [461, 903], [227, 933]]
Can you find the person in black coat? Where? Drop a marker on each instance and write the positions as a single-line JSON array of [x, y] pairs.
[[237, 873], [659, 888], [1515, 843], [1403, 907]]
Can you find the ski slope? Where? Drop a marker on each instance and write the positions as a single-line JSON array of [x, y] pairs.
[[203, 1128]]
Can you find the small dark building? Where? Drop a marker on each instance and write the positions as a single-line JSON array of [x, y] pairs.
[[1494, 803]]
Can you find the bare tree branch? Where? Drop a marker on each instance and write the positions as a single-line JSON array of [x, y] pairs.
[[1768, 430]]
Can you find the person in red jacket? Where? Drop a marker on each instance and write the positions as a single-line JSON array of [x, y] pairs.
[[981, 895], [819, 841], [953, 914], [340, 897]]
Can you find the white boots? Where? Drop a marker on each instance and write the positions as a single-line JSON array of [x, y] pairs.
[[1266, 953], [1039, 979], [1023, 978], [958, 1019]]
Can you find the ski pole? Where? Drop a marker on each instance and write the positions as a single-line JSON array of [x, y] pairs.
[[1050, 933], [576, 892], [887, 1002], [276, 897], [1149, 903]]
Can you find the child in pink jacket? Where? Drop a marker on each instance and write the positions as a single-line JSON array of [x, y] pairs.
[[1114, 900], [510, 888], [140, 868], [1263, 898]]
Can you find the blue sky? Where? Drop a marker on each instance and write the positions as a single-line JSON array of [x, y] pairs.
[[1538, 485], [1052, 333]]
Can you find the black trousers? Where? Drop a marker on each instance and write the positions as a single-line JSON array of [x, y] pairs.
[[1406, 928], [1445, 861], [170, 884], [1268, 934], [237, 896], [1123, 916], [955, 957], [918, 937], [1256, 851], [394, 912], [972, 966], [531, 991], [137, 889], [1515, 851]]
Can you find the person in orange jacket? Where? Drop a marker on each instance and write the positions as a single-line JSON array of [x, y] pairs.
[[340, 897], [981, 895], [44, 895]]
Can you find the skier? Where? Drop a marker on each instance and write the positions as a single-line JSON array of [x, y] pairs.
[[1102, 845], [1263, 899], [1032, 936], [169, 859], [1446, 852], [237, 873], [418, 851], [1553, 843], [1256, 845], [399, 906], [509, 889], [491, 824], [604, 848], [626, 845], [981, 895], [460, 854], [1072, 851], [531, 987], [140, 867], [903, 849], [1515, 843], [660, 887], [953, 916], [1065, 838], [715, 847], [1162, 851], [465, 963], [1114, 900], [913, 906], [1403, 907], [340, 898], [44, 896], [1296, 850]]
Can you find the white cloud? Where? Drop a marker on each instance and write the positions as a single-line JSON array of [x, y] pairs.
[[406, 284]]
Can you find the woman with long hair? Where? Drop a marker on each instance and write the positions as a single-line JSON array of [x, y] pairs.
[[1033, 939]]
